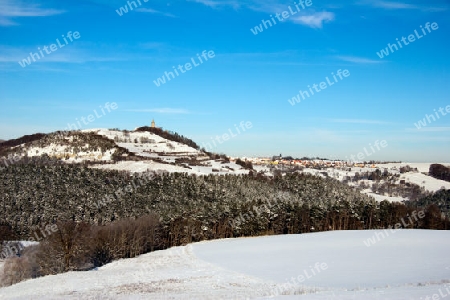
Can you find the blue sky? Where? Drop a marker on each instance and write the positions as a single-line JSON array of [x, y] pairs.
[[251, 78]]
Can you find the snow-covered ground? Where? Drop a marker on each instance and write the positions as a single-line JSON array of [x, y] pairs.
[[421, 167], [165, 150], [380, 198], [63, 152], [427, 182], [157, 145], [149, 165], [407, 264]]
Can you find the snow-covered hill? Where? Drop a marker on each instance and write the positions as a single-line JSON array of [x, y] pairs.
[[146, 144], [162, 154], [406, 264], [139, 151], [70, 147]]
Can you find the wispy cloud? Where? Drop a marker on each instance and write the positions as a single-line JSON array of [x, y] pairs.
[[75, 55], [358, 60], [10, 9], [216, 4], [429, 129], [393, 5], [359, 121], [164, 110], [435, 9], [310, 19], [267, 6], [6, 22], [314, 20], [154, 11]]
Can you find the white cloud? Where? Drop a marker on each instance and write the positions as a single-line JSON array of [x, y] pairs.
[[429, 129], [393, 5], [215, 4], [310, 19], [390, 5], [314, 20], [154, 11], [268, 6], [6, 22], [13, 9], [359, 121], [358, 60], [75, 54]]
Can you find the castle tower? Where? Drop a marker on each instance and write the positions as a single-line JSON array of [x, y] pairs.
[[153, 124]]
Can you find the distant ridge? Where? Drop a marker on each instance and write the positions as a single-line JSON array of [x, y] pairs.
[[22, 140]]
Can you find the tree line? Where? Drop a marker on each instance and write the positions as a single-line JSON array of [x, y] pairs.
[[440, 172]]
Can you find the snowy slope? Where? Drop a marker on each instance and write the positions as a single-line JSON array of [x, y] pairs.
[[428, 182], [407, 264], [70, 147], [61, 152], [157, 145], [167, 151], [142, 166]]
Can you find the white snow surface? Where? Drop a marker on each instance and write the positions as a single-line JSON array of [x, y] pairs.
[[428, 182], [380, 198], [159, 144], [149, 165], [165, 150], [406, 264], [63, 151]]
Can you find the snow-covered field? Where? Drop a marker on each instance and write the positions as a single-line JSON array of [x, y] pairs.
[[158, 144], [421, 167], [427, 182], [407, 264]]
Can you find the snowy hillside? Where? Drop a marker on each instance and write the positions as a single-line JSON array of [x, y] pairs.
[[405, 264], [428, 182], [69, 146], [146, 144], [418, 177], [162, 154], [134, 151], [205, 168]]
